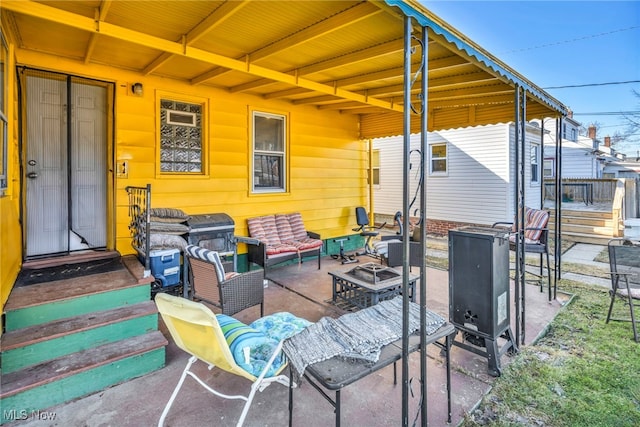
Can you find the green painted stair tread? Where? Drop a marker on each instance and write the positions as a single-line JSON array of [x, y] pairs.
[[82, 384], [83, 304], [66, 366], [39, 333], [64, 290]]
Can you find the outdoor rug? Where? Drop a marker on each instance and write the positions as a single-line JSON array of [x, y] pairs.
[[32, 276], [356, 336]]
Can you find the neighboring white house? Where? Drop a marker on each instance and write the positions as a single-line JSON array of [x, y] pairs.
[[581, 155], [470, 173]]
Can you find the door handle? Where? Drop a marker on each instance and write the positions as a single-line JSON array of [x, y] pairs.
[[32, 175]]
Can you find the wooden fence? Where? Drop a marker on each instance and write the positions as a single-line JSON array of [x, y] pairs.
[[598, 190]]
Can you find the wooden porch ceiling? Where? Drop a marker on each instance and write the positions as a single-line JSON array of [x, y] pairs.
[[340, 55]]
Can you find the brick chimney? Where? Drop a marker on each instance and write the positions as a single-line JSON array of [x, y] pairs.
[[592, 131], [607, 141]]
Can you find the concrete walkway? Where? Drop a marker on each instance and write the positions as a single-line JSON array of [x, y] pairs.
[[583, 253]]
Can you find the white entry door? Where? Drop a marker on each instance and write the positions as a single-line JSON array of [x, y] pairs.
[[65, 165]]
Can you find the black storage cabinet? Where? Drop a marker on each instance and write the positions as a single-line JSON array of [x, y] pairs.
[[479, 295]]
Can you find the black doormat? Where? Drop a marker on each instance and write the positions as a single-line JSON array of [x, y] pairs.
[[32, 276]]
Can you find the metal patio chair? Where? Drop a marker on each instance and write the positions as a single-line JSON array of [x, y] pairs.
[[231, 292], [624, 261], [196, 330], [536, 241]]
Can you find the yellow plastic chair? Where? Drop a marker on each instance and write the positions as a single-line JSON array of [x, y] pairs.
[[195, 329]]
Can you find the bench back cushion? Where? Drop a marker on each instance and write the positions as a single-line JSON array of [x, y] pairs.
[[284, 228], [277, 229], [264, 229], [297, 226]]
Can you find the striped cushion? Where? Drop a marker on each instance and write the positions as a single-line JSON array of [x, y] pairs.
[[285, 233], [307, 243], [536, 219], [208, 256], [297, 226], [281, 248], [256, 229], [251, 349]]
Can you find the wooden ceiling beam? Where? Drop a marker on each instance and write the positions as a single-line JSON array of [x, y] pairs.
[[337, 22], [215, 19], [52, 14], [348, 17], [393, 46], [100, 15]]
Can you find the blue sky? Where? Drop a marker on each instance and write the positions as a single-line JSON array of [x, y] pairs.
[[563, 43]]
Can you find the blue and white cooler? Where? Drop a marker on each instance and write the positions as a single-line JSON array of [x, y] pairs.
[[165, 266]]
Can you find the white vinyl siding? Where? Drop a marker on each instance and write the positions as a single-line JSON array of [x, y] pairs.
[[532, 189], [477, 188], [578, 159]]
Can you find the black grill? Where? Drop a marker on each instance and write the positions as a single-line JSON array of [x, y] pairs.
[[214, 231]]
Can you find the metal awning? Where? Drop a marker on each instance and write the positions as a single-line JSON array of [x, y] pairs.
[[335, 55]]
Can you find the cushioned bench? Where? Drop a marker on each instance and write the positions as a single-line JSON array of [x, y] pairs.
[[278, 238]]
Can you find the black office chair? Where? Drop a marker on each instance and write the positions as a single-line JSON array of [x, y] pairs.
[[367, 231]]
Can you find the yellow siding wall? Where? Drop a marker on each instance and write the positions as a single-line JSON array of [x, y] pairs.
[[10, 239], [327, 163]]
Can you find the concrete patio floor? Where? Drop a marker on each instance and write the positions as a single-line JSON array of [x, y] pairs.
[[305, 291]]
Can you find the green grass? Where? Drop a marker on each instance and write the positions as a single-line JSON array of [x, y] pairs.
[[583, 372]]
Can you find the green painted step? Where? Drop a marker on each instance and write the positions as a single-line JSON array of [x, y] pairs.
[[36, 344], [70, 377], [42, 303]]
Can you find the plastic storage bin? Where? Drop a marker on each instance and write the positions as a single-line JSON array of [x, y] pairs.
[[165, 266]]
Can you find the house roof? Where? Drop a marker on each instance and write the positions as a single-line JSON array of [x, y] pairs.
[[335, 55]]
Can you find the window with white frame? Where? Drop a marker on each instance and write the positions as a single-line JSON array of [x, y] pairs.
[[269, 152], [535, 163], [4, 57], [375, 166], [438, 163], [549, 168], [180, 137]]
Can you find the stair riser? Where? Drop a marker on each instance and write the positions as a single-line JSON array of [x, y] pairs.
[[82, 384], [598, 231], [585, 221], [44, 313], [19, 358], [582, 214]]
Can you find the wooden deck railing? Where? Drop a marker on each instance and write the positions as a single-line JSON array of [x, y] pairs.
[[600, 190]]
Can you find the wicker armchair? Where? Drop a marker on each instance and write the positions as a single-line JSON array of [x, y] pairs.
[[230, 292]]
